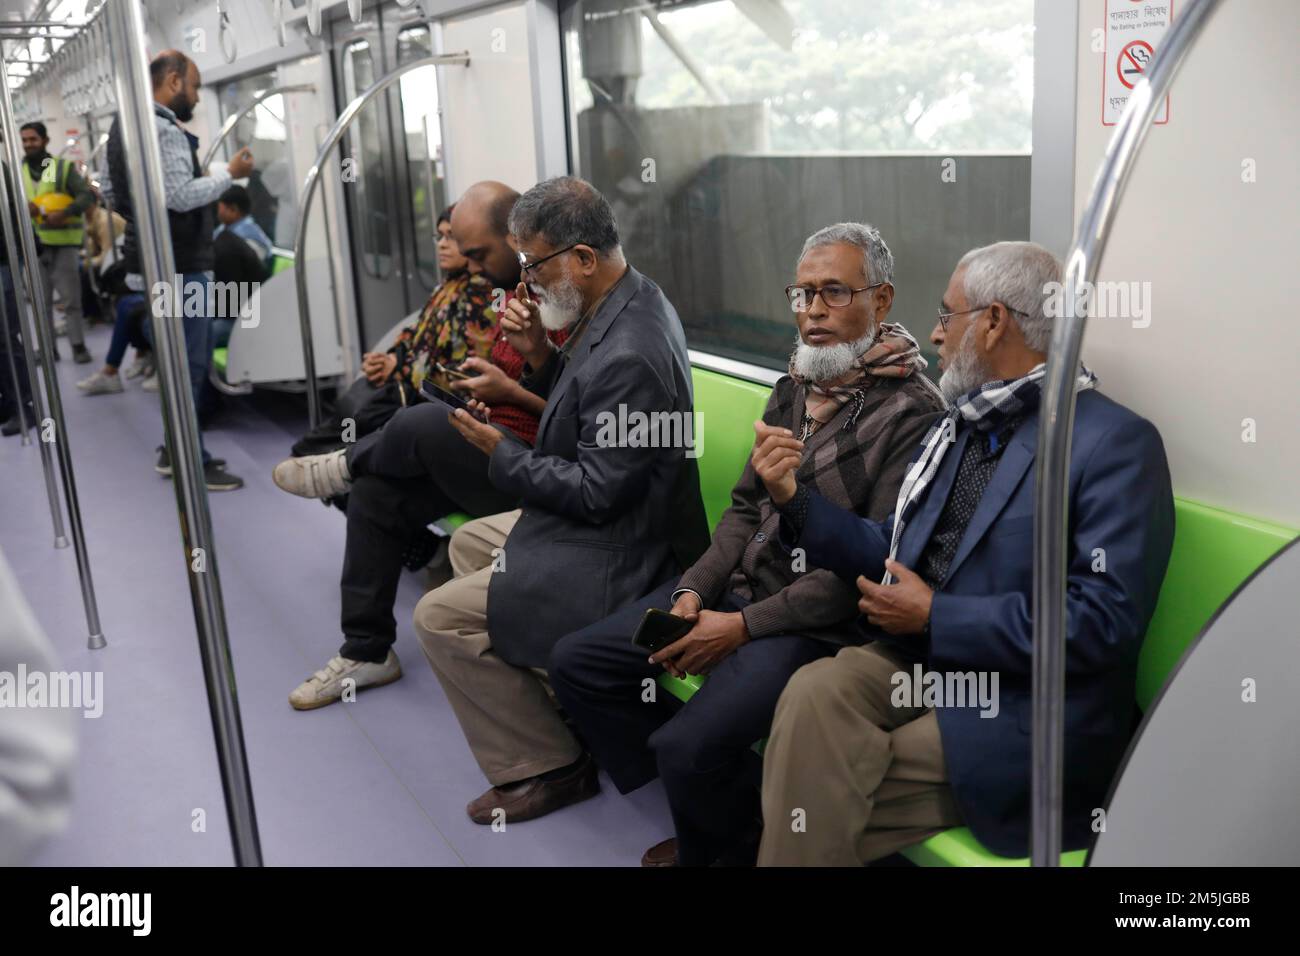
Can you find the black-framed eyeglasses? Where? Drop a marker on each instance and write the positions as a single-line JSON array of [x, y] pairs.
[[526, 267], [945, 316], [835, 295]]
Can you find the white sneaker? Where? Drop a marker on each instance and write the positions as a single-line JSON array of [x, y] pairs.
[[100, 384], [150, 383], [339, 675], [143, 365], [314, 476]]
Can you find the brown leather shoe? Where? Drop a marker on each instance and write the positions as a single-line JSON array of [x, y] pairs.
[[661, 854], [535, 797]]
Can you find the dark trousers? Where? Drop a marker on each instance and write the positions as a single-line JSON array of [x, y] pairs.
[[128, 329], [703, 752], [12, 393], [198, 341], [413, 471]]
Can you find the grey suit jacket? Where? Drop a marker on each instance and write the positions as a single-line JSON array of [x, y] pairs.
[[603, 522]]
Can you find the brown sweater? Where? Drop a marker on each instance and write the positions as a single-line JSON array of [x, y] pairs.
[[860, 469]]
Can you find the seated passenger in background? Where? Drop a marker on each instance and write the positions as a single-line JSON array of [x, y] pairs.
[[859, 765], [458, 323], [416, 469], [233, 207], [241, 254], [604, 518], [856, 397]]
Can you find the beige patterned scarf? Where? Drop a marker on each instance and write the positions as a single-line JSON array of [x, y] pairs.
[[894, 354]]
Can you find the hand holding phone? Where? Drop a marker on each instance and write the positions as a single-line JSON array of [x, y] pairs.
[[436, 394], [451, 372], [659, 628]]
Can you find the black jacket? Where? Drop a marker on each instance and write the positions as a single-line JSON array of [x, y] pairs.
[[191, 231]]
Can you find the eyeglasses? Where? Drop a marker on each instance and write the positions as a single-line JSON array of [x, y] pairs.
[[945, 316], [835, 296], [526, 267]]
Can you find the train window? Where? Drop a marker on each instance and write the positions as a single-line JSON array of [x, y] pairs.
[[422, 135], [273, 186], [370, 188], [738, 129]]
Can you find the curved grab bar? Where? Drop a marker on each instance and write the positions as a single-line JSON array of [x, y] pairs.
[[308, 192], [233, 120], [1051, 495], [313, 17]]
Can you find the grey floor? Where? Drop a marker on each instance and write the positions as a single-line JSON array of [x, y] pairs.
[[382, 781]]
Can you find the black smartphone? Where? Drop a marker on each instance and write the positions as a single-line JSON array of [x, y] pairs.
[[434, 393], [451, 372], [659, 628]]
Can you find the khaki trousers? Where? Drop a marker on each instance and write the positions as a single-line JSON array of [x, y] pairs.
[[847, 776], [507, 713]]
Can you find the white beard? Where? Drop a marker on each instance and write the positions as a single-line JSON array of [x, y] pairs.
[[824, 364], [967, 370], [560, 305]]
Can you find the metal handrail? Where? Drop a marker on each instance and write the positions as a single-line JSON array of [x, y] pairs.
[[1052, 498], [45, 335], [331, 140], [233, 120], [149, 208]]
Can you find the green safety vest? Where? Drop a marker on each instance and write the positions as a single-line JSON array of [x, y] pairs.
[[53, 179]]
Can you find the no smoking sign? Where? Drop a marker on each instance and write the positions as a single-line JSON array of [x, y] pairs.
[[1134, 29]]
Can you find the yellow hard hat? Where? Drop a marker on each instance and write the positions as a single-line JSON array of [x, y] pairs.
[[52, 202]]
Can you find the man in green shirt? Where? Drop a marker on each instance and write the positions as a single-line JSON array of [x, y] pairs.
[[57, 198]]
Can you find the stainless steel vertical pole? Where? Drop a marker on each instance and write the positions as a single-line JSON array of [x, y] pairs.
[[16, 271], [1052, 498], [45, 335], [20, 407], [149, 214]]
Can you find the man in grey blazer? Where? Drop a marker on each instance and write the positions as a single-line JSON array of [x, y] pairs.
[[608, 512]]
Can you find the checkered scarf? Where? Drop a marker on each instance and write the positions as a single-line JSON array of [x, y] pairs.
[[894, 354], [985, 408]]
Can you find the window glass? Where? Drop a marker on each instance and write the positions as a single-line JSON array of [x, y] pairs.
[[724, 133], [422, 133], [365, 142], [273, 185]]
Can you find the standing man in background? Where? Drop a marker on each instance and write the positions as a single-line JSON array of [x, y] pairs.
[[57, 197], [190, 196]]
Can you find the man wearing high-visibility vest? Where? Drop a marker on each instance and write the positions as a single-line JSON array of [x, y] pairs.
[[57, 197]]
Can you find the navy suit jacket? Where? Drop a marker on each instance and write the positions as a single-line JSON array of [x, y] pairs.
[[1121, 502]]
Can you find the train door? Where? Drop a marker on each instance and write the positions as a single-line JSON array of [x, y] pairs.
[[395, 148], [418, 148], [358, 52]]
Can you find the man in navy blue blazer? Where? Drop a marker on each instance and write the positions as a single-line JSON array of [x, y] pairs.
[[927, 724]]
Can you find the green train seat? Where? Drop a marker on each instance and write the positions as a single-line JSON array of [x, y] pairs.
[[1214, 551]]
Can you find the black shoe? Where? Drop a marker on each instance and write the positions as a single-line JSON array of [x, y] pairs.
[[80, 355], [218, 479], [164, 465], [14, 425]]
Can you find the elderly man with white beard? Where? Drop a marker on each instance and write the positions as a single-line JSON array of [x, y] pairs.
[[858, 764], [856, 403]]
